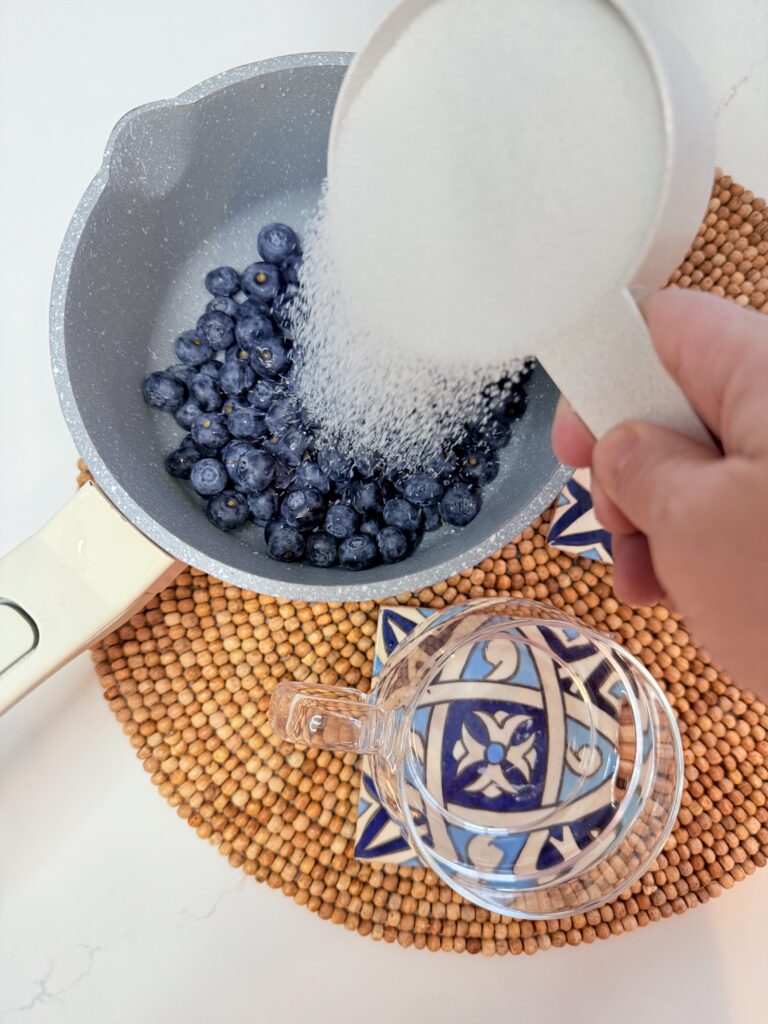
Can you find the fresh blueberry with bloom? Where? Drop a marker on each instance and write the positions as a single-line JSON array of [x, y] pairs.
[[208, 477], [302, 507], [358, 552], [423, 489], [217, 330], [231, 452], [227, 511], [186, 414], [291, 268], [255, 470], [270, 357], [223, 304], [252, 307], [335, 465], [430, 518], [371, 527], [263, 394], [400, 513], [211, 367], [191, 348], [285, 543], [366, 497], [263, 505], [513, 407], [222, 281], [183, 372], [340, 521], [250, 329], [276, 242], [459, 505], [162, 391], [180, 461], [309, 474], [321, 549], [393, 544], [210, 430], [293, 446], [497, 433], [245, 422], [206, 392], [262, 281], [236, 376], [479, 467]]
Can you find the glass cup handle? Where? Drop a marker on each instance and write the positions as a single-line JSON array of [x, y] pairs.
[[333, 717]]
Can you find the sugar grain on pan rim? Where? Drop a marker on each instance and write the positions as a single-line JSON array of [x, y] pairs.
[[496, 174]]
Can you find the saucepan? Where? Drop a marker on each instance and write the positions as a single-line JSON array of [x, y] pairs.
[[184, 186]]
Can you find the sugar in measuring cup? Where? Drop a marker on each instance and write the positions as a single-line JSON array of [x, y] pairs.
[[528, 760]]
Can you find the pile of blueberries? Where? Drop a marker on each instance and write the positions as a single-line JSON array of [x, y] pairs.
[[252, 453]]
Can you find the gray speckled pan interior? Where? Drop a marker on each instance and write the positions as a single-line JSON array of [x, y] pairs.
[[184, 186]]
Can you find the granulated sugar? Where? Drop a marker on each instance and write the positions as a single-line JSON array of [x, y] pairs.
[[495, 176]]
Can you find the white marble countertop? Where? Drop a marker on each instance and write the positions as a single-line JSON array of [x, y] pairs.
[[110, 908]]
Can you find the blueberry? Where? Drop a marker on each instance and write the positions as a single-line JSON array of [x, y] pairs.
[[255, 470], [402, 514], [245, 422], [370, 527], [444, 465], [514, 406], [251, 307], [283, 475], [211, 367], [358, 552], [276, 242], [291, 268], [210, 429], [223, 304], [237, 354], [285, 544], [179, 463], [227, 511], [263, 394], [190, 348], [271, 526], [340, 521], [496, 433], [423, 489], [280, 415], [459, 505], [183, 372], [230, 455], [309, 474], [186, 414], [263, 505], [393, 544], [208, 477], [430, 516], [222, 281], [302, 507], [250, 329], [262, 281], [335, 465], [217, 330], [270, 357], [293, 446], [479, 467], [206, 392], [235, 376], [187, 442], [321, 549], [368, 466], [161, 391], [397, 477], [366, 496]]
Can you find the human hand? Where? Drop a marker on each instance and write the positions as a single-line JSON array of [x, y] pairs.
[[690, 525]]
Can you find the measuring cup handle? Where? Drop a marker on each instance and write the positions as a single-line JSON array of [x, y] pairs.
[[608, 384], [332, 717], [85, 571]]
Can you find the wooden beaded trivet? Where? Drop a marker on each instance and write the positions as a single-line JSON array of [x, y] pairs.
[[189, 680]]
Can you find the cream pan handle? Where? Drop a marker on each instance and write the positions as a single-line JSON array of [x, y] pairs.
[[85, 571]]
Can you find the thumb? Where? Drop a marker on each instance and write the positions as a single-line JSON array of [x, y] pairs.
[[646, 469]]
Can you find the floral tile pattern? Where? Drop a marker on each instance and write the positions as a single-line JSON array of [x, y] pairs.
[[574, 526]]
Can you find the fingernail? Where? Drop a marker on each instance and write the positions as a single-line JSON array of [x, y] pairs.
[[612, 453]]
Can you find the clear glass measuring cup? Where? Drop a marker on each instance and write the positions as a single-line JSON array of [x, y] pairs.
[[530, 761]]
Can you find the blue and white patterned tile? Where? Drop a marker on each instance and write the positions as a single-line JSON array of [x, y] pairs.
[[574, 527]]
